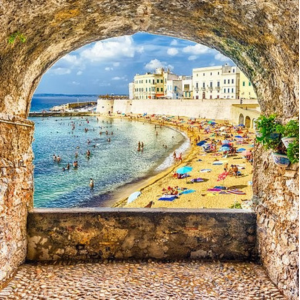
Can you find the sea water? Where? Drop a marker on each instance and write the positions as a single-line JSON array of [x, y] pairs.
[[111, 164]]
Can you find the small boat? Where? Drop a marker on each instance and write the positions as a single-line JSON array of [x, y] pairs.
[[133, 196]]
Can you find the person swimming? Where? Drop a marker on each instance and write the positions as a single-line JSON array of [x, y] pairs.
[[91, 183]]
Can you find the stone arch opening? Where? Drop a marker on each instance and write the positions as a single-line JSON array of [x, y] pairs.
[[247, 32], [247, 122], [241, 119]]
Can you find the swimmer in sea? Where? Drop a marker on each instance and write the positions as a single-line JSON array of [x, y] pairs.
[[91, 183]]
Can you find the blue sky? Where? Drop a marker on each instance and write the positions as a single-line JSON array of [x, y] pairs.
[[108, 66]]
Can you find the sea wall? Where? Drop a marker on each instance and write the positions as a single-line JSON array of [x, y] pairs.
[[55, 234], [16, 191], [211, 109]]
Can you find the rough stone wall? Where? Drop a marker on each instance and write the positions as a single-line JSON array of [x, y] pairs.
[[262, 37], [16, 186], [127, 233], [276, 191]]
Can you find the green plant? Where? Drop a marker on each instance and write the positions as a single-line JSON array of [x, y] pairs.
[[236, 205], [291, 129], [293, 151], [16, 35], [268, 134]]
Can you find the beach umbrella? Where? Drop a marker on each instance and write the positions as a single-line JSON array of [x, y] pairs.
[[187, 192], [222, 128], [225, 142], [184, 170], [240, 150], [201, 143], [238, 137], [222, 176], [241, 125], [224, 148]]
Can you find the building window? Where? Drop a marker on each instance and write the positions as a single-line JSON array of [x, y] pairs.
[[157, 89], [232, 90], [162, 89], [210, 74], [157, 80], [228, 90], [218, 73], [244, 83], [153, 89], [146, 80], [224, 81], [162, 81], [249, 83], [211, 84], [146, 90], [203, 84], [210, 97], [203, 74], [232, 80], [224, 91], [153, 81], [233, 70], [218, 96], [196, 85], [218, 84], [228, 81]]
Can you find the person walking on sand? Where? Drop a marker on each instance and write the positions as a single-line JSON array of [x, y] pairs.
[[91, 183]]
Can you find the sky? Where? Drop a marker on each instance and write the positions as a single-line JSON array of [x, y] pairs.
[[108, 66]]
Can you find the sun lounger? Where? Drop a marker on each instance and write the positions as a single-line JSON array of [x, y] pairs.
[[197, 180]]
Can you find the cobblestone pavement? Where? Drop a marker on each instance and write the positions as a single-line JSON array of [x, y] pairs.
[[141, 280]]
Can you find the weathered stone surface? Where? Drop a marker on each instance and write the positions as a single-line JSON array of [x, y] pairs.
[[123, 233], [16, 136]]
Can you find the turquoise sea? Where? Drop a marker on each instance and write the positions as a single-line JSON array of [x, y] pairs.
[[111, 164]]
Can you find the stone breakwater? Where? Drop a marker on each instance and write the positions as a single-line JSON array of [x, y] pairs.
[[58, 234]]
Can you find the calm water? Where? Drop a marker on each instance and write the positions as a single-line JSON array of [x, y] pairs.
[[111, 165]]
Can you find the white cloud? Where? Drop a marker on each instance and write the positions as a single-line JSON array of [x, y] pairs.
[[219, 56], [196, 49], [119, 78], [72, 60], [108, 69], [61, 71], [174, 43], [192, 57], [155, 63], [114, 48], [172, 51], [116, 64], [79, 73], [75, 83]]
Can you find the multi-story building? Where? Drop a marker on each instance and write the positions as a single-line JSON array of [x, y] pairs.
[[246, 88], [149, 85], [220, 82], [187, 87], [131, 90]]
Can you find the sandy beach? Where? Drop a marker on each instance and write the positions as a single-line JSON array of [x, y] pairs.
[[167, 182]]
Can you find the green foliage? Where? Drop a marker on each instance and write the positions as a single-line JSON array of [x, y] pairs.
[[292, 151], [291, 129], [268, 134], [16, 35], [236, 205]]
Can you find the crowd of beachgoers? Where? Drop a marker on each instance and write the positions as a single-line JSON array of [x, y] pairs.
[[215, 173]]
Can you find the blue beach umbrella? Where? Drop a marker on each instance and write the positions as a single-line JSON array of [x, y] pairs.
[[224, 148], [184, 170], [241, 125], [238, 137], [201, 143], [187, 192], [240, 150]]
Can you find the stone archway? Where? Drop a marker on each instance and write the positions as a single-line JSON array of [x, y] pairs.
[[247, 122], [241, 119], [249, 32]]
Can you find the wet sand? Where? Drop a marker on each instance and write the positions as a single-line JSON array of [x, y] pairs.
[[152, 188]]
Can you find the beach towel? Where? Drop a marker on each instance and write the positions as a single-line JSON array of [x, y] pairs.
[[187, 192], [217, 163], [236, 192], [197, 180], [168, 198], [211, 194], [220, 187], [133, 196], [214, 190], [205, 170], [223, 193]]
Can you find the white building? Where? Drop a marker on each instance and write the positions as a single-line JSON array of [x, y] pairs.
[[219, 82], [187, 87], [174, 89], [131, 90]]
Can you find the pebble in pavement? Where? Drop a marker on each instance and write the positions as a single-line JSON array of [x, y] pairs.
[[141, 280]]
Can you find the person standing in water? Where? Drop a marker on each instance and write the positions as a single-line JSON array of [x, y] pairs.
[[91, 183]]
